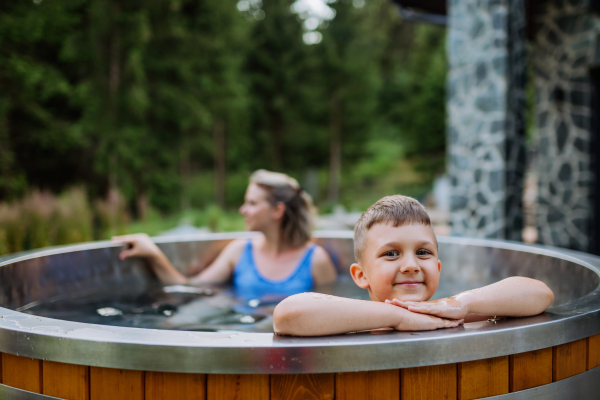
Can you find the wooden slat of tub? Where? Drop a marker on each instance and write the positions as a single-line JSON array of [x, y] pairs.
[[174, 386], [22, 372], [370, 385], [237, 387], [302, 387], [432, 382], [66, 381], [482, 378], [116, 384], [531, 369], [569, 359], [593, 359], [0, 367]]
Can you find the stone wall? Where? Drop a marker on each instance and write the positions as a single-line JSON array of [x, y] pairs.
[[566, 45], [486, 153]]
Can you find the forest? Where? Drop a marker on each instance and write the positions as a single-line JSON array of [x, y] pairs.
[[113, 111]]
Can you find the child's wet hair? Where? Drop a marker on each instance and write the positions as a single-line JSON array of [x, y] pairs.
[[397, 210]]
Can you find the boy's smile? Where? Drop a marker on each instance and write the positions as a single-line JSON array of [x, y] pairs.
[[399, 262]]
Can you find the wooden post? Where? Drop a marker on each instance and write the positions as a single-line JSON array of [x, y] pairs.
[[66, 381], [369, 385], [431, 382], [482, 378], [531, 369]]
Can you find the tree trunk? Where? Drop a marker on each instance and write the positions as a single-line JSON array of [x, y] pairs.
[[6, 161], [335, 149], [276, 139], [184, 173], [220, 161], [114, 79]]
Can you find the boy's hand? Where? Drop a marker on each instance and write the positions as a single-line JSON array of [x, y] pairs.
[[420, 322], [447, 307]]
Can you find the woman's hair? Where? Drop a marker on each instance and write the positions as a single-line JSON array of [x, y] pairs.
[[296, 224]]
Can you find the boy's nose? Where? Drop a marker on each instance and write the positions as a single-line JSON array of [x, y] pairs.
[[410, 266]]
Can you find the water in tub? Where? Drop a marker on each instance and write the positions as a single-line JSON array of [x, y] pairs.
[[206, 308]]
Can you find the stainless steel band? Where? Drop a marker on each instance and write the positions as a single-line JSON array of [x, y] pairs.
[[584, 386], [11, 393]]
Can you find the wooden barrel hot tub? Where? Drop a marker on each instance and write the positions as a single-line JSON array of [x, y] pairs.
[[555, 355]]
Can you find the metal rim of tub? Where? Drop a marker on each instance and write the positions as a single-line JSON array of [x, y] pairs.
[[258, 353]]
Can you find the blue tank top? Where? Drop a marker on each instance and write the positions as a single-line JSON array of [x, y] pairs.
[[250, 284]]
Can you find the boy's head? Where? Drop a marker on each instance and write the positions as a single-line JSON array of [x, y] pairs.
[[396, 251]]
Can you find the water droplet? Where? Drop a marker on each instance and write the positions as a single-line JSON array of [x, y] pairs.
[[283, 358], [271, 367]]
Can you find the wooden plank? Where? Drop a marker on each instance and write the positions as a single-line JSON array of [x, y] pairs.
[[482, 378], [369, 385], [22, 372], [116, 384], [238, 387], [302, 387], [66, 381], [173, 386], [569, 359], [593, 359], [0, 367], [432, 382], [530, 369]]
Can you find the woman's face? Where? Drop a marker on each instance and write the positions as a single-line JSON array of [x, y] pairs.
[[257, 211]]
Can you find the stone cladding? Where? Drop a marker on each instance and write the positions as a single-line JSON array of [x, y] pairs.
[[486, 152], [566, 45]]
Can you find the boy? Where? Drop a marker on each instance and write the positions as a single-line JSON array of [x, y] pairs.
[[397, 262]]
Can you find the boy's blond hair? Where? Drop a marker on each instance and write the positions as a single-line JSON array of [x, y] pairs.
[[399, 210]]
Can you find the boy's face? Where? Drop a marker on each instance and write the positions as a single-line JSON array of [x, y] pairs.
[[399, 263]]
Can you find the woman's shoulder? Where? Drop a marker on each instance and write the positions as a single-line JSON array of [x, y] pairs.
[[322, 266], [235, 248], [319, 254]]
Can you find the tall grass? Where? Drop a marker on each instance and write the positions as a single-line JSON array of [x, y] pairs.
[[43, 219]]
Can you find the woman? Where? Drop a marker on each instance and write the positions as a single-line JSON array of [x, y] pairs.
[[283, 260]]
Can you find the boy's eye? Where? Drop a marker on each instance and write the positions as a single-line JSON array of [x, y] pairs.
[[391, 253], [423, 252]]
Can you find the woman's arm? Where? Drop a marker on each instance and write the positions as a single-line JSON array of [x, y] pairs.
[[315, 314], [220, 270], [511, 297], [323, 270], [140, 245]]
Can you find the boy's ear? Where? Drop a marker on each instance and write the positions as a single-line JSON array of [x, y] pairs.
[[439, 266], [359, 276]]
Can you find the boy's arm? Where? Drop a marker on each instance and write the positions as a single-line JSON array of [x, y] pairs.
[[315, 314], [512, 297]]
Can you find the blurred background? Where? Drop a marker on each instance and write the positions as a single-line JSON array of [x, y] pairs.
[[120, 117]]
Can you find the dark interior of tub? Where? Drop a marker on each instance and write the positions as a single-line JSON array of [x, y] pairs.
[[93, 286]]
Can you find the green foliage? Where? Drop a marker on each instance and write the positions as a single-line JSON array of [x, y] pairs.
[[175, 102], [413, 99], [41, 219]]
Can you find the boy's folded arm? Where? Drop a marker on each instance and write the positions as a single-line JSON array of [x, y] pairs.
[[314, 314], [511, 297]]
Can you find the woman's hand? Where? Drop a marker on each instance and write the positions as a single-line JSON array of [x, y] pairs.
[[139, 245], [448, 307], [412, 321]]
